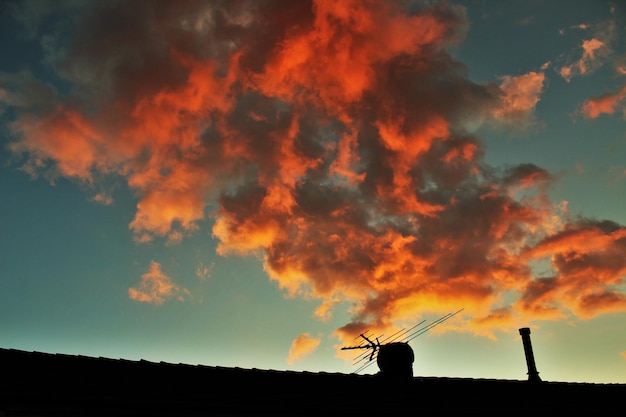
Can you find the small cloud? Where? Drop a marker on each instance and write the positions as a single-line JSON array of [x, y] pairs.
[[142, 238], [623, 354], [156, 287], [520, 95], [302, 346], [168, 213], [323, 312], [582, 26], [174, 237], [594, 52], [103, 198], [204, 272], [608, 103]]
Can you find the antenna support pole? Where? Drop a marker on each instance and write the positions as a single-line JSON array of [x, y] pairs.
[[533, 375]]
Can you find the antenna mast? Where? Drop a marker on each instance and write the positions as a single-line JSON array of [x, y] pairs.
[[400, 337], [371, 345]]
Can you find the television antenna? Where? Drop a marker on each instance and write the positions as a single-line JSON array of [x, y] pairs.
[[401, 337]]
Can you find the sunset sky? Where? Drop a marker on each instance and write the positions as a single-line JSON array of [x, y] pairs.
[[255, 183]]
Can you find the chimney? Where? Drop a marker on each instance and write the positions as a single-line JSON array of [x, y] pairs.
[[533, 375]]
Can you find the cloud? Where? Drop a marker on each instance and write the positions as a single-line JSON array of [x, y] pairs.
[[595, 51], [589, 265], [204, 272], [103, 198], [520, 96], [607, 103], [156, 287], [331, 139], [598, 50], [302, 346], [23, 90], [324, 311], [65, 136]]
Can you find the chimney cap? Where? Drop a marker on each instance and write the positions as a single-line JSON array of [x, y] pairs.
[[524, 330]]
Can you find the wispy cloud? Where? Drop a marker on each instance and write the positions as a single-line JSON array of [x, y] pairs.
[[203, 272], [156, 287], [302, 346], [594, 51], [103, 198]]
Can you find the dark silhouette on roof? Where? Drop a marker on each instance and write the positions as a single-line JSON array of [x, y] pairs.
[[37, 384], [533, 375], [395, 360], [394, 357]]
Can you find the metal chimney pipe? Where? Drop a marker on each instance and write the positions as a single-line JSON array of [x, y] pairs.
[[533, 375]]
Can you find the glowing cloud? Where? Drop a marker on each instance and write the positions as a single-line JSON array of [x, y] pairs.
[[593, 49], [332, 139], [607, 103], [520, 96], [302, 346], [596, 50], [156, 287], [64, 136], [589, 262]]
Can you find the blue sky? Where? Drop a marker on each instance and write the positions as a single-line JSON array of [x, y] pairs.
[[254, 187]]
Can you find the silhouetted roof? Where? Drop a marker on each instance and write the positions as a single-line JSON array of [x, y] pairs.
[[43, 384]]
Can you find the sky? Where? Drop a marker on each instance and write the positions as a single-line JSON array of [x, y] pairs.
[[255, 183]]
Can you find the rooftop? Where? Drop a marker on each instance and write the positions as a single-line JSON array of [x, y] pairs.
[[44, 384]]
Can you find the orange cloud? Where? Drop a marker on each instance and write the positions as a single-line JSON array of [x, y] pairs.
[[404, 151], [302, 346], [607, 103], [593, 52], [64, 136], [156, 287], [103, 198], [588, 259], [158, 211], [520, 96], [331, 139], [334, 61], [323, 312]]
